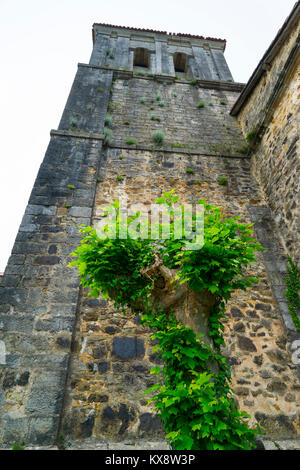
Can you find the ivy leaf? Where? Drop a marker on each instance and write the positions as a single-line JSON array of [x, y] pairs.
[[155, 370], [185, 443]]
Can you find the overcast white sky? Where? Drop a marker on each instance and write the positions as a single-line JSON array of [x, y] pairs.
[[43, 40]]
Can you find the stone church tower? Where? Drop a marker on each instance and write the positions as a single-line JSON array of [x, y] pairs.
[[71, 365]]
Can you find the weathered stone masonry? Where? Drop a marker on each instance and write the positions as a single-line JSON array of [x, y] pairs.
[[75, 366], [270, 104]]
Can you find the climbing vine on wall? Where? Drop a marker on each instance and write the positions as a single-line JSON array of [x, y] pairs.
[[195, 399], [293, 292]]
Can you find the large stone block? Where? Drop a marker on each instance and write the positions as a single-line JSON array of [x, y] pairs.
[[126, 348]]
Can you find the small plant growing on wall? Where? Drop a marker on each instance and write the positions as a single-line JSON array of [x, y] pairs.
[[244, 150], [107, 136], [131, 141], [190, 171], [201, 105], [18, 446], [158, 137], [108, 120], [110, 54], [292, 281], [161, 104], [222, 181], [73, 123], [120, 178], [126, 123], [142, 100], [155, 118], [250, 136], [223, 103]]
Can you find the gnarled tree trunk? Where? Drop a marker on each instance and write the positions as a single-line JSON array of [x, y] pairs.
[[190, 307]]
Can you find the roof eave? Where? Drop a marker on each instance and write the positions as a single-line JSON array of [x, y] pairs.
[[267, 58]]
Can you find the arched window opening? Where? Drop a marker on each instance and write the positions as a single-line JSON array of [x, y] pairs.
[[180, 63], [141, 58]]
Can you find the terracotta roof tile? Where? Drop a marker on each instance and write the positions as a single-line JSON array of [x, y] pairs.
[[161, 32]]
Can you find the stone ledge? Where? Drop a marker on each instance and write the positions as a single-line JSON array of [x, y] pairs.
[[177, 150], [143, 444], [77, 135], [98, 444], [128, 74]]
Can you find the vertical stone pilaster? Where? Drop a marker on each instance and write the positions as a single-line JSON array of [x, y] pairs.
[[221, 65], [98, 56]]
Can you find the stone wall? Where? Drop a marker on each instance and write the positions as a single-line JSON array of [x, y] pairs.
[[273, 108], [110, 367], [173, 109], [38, 293]]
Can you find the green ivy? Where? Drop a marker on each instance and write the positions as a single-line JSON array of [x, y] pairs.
[[195, 400], [292, 281]]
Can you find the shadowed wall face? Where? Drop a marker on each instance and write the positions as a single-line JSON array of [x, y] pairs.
[[273, 106]]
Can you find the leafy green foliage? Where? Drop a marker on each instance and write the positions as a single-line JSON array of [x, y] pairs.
[[195, 401], [17, 446], [158, 137], [223, 181], [131, 141], [107, 136], [293, 292], [201, 104], [244, 150], [110, 54], [250, 135], [108, 120], [73, 122]]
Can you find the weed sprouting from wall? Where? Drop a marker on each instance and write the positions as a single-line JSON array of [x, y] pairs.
[[158, 137]]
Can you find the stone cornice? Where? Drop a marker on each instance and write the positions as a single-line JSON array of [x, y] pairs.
[[78, 135], [128, 74]]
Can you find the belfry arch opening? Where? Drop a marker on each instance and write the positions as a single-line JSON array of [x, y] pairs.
[[180, 63], [141, 58]]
